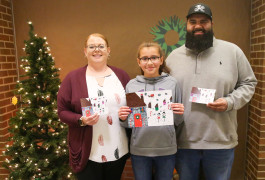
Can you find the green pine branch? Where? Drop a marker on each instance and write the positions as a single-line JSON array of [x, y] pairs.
[[37, 147]]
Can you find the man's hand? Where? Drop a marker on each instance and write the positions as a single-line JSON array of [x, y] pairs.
[[219, 105]]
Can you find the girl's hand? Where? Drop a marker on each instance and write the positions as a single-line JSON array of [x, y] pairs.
[[124, 111], [177, 108], [90, 120]]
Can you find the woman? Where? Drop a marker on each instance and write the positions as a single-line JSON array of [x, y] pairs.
[[98, 146]]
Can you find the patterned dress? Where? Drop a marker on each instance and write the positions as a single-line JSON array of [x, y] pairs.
[[109, 141]]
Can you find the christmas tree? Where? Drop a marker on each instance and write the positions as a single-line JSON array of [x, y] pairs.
[[37, 147]]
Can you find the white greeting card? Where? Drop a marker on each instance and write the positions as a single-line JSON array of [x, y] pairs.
[[156, 112], [202, 95], [97, 104]]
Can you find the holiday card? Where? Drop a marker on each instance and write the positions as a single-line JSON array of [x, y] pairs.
[[91, 106], [150, 108], [202, 95]]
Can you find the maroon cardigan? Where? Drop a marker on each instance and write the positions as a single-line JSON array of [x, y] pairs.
[[73, 88]]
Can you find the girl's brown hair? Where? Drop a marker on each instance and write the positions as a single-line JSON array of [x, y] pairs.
[[163, 67], [97, 35]]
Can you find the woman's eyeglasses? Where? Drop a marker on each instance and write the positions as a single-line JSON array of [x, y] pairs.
[[93, 47]]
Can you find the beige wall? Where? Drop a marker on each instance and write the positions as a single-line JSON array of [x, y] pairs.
[[66, 23]]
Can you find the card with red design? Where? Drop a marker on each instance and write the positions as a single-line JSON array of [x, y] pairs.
[[94, 105], [202, 95], [150, 108]]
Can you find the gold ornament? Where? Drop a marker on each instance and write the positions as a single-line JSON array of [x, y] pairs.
[[14, 100]]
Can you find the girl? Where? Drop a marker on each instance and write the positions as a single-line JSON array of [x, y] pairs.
[[154, 145]]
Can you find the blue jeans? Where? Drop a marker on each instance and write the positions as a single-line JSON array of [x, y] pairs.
[[163, 166], [216, 164]]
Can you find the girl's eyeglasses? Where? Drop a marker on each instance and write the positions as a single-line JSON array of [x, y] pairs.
[[153, 59]]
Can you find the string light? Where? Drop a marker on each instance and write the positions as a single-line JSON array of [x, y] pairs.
[[27, 115], [69, 175]]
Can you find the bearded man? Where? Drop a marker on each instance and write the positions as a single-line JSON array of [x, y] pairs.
[[216, 80]]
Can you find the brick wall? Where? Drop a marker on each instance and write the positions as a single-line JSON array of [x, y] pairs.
[[8, 75], [128, 172], [255, 168]]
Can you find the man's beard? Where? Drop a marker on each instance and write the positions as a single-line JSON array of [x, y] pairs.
[[201, 42]]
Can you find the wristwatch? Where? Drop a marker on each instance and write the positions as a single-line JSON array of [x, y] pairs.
[[80, 122]]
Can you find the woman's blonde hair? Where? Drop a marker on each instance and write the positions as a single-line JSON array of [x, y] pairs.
[[163, 67]]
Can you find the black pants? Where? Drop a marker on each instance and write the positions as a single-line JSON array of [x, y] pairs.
[[103, 171]]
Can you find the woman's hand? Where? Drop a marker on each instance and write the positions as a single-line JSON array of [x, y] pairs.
[[177, 108], [90, 120], [124, 111]]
